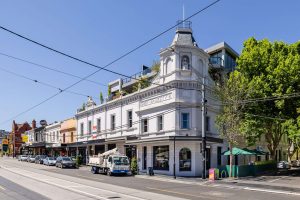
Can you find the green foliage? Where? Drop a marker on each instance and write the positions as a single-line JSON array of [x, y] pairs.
[[265, 162], [270, 69], [109, 90], [142, 83], [155, 66], [134, 165], [78, 161], [231, 92], [101, 98]]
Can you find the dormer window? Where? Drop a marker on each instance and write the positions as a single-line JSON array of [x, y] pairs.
[[185, 63]]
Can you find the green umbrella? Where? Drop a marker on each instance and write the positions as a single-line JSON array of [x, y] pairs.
[[238, 151]]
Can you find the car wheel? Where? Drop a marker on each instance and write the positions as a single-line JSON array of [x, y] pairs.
[[108, 172]]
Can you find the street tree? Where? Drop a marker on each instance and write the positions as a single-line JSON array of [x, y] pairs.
[[228, 121], [271, 70], [101, 98]]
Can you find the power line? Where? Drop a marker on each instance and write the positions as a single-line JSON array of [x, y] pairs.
[[49, 68], [88, 63], [44, 83]]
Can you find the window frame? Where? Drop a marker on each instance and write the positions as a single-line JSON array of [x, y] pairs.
[[180, 154], [182, 122], [143, 125], [89, 127], [81, 129], [112, 122], [99, 124], [129, 119], [160, 123]]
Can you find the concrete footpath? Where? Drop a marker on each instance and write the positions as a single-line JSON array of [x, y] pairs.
[[228, 182]]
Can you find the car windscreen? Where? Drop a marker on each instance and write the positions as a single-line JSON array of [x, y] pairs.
[[51, 158], [66, 159], [120, 160], [43, 157]]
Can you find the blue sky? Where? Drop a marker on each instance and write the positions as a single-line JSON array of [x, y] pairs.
[[100, 31]]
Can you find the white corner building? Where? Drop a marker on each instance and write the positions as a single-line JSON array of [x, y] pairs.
[[160, 124]]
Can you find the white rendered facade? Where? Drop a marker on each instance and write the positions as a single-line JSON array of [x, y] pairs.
[[52, 133], [162, 117]]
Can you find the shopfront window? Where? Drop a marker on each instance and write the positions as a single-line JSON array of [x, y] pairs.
[[161, 157], [185, 159]]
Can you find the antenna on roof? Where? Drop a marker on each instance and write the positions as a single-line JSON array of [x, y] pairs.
[[183, 16]]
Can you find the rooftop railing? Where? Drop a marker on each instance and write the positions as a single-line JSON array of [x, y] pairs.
[[137, 75]]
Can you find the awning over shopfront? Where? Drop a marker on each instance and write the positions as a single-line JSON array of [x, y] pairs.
[[85, 143], [37, 144], [244, 151]]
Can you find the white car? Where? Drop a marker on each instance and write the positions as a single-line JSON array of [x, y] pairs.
[[22, 157], [283, 165], [49, 161]]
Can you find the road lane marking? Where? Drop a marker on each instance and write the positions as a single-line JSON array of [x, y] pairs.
[[272, 191], [2, 188], [180, 193], [271, 181], [68, 187], [98, 179]]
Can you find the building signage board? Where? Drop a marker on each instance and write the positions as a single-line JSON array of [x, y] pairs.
[[24, 138], [156, 100], [5, 141]]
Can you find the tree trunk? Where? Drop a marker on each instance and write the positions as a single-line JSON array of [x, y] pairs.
[[230, 160]]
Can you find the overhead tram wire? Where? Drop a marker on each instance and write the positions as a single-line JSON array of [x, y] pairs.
[[100, 68], [44, 83], [49, 68], [119, 58]]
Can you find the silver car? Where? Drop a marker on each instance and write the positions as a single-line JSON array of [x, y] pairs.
[[23, 158], [31, 158], [49, 161]]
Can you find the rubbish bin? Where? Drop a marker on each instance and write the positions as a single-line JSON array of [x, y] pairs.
[[150, 171], [213, 173]]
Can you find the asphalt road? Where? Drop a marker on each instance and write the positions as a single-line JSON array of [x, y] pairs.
[[146, 188], [12, 191]]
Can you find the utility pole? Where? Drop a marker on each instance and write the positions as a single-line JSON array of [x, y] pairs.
[[203, 116]]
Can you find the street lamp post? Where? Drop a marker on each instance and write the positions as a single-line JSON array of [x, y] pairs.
[[174, 163]]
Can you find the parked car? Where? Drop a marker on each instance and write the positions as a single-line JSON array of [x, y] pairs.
[[31, 158], [22, 158], [295, 163], [39, 159], [49, 161], [283, 165], [64, 162]]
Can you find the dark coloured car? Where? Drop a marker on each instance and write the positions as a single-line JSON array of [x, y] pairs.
[[63, 162], [36, 159], [39, 159]]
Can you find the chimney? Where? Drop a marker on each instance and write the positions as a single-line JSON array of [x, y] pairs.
[[33, 124]]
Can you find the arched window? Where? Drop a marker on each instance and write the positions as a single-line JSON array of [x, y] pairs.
[[168, 66], [185, 159], [185, 62]]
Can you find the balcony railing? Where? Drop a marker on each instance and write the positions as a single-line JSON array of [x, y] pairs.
[[137, 75], [184, 24], [216, 61]]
